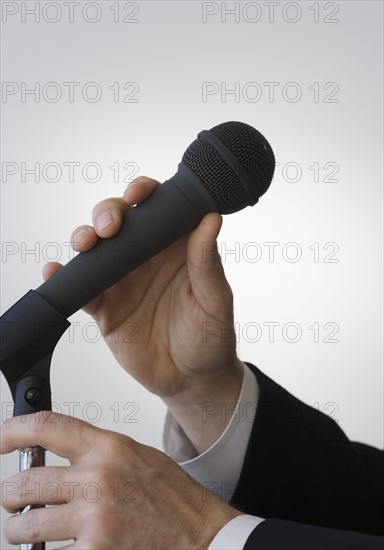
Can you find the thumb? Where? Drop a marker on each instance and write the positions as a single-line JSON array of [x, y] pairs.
[[206, 274]]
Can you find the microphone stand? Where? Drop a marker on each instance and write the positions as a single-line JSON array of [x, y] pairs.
[[31, 457], [30, 330]]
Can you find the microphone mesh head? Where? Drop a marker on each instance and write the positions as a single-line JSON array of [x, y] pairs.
[[251, 150]]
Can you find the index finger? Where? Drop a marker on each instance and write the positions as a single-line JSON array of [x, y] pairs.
[[65, 436], [139, 189], [108, 214]]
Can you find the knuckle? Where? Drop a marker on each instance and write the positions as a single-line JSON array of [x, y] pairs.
[[120, 444], [99, 476], [43, 420]]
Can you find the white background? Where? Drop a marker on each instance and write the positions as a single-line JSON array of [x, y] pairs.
[[170, 53]]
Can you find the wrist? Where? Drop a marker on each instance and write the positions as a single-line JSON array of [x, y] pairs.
[[215, 520], [205, 409], [204, 520]]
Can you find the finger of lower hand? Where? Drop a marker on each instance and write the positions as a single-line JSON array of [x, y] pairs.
[[39, 486], [63, 435], [42, 524]]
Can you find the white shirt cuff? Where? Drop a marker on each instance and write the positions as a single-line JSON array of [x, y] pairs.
[[235, 533], [219, 467]]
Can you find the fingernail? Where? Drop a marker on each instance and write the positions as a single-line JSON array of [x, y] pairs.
[[103, 221], [131, 184], [79, 234]]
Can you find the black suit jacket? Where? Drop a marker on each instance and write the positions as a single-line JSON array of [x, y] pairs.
[[318, 490]]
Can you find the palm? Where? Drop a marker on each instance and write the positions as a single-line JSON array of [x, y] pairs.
[[154, 324]]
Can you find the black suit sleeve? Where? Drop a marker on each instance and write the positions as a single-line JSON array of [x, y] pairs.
[[322, 490], [275, 534]]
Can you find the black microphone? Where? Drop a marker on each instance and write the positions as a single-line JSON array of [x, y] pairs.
[[224, 170]]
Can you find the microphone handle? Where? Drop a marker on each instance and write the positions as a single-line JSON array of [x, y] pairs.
[[169, 213]]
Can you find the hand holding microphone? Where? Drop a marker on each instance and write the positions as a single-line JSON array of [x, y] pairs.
[[154, 318], [147, 275]]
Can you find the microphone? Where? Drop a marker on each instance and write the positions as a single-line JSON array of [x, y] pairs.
[[223, 170]]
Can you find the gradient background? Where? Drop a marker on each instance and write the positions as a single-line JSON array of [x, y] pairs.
[[169, 52]]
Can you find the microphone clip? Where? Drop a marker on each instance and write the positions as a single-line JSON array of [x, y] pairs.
[[29, 332]]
